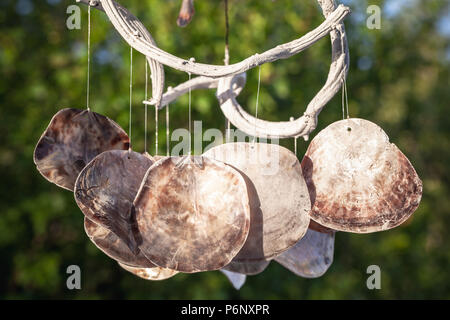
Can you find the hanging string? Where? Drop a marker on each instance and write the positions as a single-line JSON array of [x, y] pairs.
[[227, 33], [257, 101], [344, 99], [145, 105], [131, 93], [167, 131], [156, 130], [88, 58], [190, 115], [227, 61], [295, 138]]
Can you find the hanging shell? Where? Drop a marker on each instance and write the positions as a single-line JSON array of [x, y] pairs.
[[113, 246], [250, 268], [155, 273], [192, 214], [72, 139], [311, 256], [106, 188], [360, 182], [236, 279], [279, 199]]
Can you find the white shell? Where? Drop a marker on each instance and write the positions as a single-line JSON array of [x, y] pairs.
[[311, 256], [236, 279]]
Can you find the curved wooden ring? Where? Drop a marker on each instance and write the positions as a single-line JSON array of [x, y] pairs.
[[304, 125]]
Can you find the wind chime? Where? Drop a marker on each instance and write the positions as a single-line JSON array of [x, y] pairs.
[[226, 210]]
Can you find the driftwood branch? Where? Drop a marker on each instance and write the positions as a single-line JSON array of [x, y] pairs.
[[230, 79], [199, 82], [125, 23], [304, 125], [156, 68]]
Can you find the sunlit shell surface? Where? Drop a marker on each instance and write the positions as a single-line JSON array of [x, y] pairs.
[[311, 256], [247, 267], [360, 182], [236, 279], [113, 246], [279, 199], [192, 213], [72, 139], [106, 188], [155, 273]]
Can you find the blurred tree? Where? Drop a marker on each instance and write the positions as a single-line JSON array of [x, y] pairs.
[[399, 78]]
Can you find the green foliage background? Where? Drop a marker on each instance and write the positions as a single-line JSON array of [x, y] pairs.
[[399, 79]]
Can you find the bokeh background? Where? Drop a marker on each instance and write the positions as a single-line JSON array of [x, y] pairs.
[[399, 79]]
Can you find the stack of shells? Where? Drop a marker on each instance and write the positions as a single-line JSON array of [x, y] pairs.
[[236, 207]]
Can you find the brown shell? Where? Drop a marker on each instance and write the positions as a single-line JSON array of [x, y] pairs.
[[236, 279], [155, 273], [311, 256], [72, 139], [279, 199], [106, 188], [192, 213], [113, 246], [360, 182], [247, 267]]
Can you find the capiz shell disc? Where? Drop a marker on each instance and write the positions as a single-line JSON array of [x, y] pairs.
[[360, 182], [72, 139], [154, 273], [192, 214], [106, 188], [279, 199], [311, 256]]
